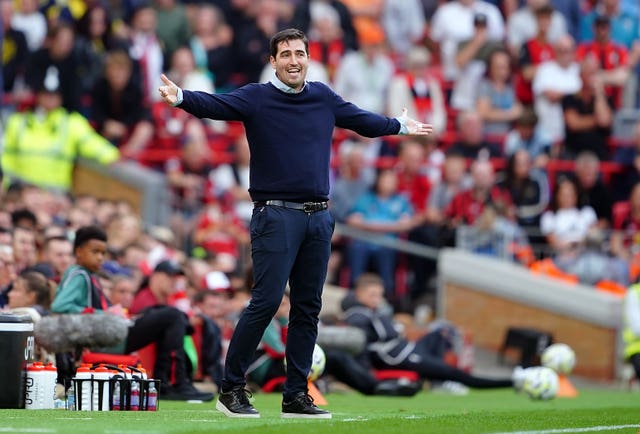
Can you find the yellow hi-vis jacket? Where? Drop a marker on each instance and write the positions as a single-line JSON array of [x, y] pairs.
[[631, 340], [42, 150]]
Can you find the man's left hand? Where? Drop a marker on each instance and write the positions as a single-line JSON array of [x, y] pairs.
[[414, 127]]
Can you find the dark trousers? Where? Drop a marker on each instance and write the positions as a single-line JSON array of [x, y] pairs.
[[286, 245], [165, 326], [346, 368]]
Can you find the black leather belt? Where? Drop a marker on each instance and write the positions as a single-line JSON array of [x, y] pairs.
[[308, 207]]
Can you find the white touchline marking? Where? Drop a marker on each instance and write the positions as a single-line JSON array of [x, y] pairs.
[[34, 430], [355, 419], [574, 430]]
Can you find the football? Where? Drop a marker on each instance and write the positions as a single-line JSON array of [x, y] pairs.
[[559, 357], [318, 362], [540, 383]]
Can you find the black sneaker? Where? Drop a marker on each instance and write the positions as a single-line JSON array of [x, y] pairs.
[[302, 406], [235, 403], [186, 392]]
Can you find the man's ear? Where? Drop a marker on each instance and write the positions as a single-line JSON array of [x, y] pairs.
[[272, 60]]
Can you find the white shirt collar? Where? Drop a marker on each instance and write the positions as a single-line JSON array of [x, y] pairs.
[[283, 87]]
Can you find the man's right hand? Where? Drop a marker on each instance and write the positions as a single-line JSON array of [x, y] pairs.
[[169, 91]]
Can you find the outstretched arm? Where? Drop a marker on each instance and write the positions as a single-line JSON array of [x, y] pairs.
[[412, 127], [168, 91]]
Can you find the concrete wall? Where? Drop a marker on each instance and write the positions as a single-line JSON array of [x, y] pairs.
[[487, 296]]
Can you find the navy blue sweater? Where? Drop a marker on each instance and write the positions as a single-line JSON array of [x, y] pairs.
[[289, 134]]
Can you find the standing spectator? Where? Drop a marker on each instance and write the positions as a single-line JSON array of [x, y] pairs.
[[534, 52], [382, 211], [404, 24], [13, 61], [522, 25], [57, 55], [497, 103], [118, 110], [588, 115], [173, 27], [363, 76], [613, 59], [419, 90], [29, 20], [623, 26], [211, 46], [554, 80], [453, 23]]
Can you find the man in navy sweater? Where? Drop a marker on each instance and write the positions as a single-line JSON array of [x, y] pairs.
[[289, 124]]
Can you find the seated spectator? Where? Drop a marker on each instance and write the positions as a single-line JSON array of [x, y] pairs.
[[302, 20], [387, 349], [497, 103], [565, 224], [526, 136], [31, 290], [40, 153], [588, 115], [57, 253], [173, 28], [471, 142], [8, 274], [528, 188], [79, 291], [629, 157], [326, 43], [384, 212], [419, 90], [554, 80], [117, 108], [404, 24], [413, 183], [522, 25], [25, 249], [29, 20], [14, 62], [592, 191], [623, 25]]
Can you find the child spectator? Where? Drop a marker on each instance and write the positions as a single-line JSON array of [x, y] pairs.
[[526, 136]]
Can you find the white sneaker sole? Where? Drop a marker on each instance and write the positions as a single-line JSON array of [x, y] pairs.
[[224, 410], [305, 416]]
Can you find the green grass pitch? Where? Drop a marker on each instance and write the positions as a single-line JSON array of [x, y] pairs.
[[495, 411]]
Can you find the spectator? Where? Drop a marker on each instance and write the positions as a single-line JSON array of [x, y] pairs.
[[363, 76], [592, 191], [123, 290], [497, 103], [631, 331], [95, 38], [385, 212], [79, 291], [525, 136], [14, 61], [172, 26], [472, 58], [533, 52], [387, 349], [8, 272], [57, 253], [33, 291], [25, 250], [30, 21], [470, 133], [366, 15], [38, 151], [453, 23], [144, 48], [565, 224], [404, 24], [613, 59], [419, 90], [211, 46], [624, 26], [302, 20], [572, 13], [57, 55], [522, 25], [529, 190], [554, 80], [626, 225], [117, 108], [629, 157], [326, 44]]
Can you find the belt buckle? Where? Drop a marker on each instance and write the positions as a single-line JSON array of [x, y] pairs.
[[309, 207]]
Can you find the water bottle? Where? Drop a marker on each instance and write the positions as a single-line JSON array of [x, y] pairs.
[[84, 397], [116, 396], [152, 398], [135, 395], [100, 396], [71, 397], [35, 390], [51, 379]]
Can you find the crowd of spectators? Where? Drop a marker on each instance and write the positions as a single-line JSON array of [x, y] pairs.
[[524, 162]]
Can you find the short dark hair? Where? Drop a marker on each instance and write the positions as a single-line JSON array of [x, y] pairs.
[[21, 214], [287, 35], [88, 233]]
